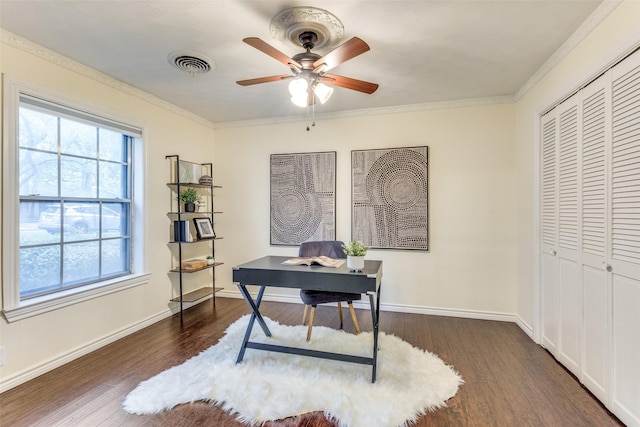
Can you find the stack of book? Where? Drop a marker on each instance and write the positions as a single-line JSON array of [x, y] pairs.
[[181, 231]]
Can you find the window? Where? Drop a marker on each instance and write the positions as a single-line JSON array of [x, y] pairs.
[[73, 187]]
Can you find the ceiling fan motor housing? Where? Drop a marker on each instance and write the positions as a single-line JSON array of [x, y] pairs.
[[308, 39], [306, 59]]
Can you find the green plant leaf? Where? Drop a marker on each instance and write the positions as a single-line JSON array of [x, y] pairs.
[[190, 195], [355, 248]]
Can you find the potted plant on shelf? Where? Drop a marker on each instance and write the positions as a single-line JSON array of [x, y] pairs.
[[189, 197], [210, 260], [355, 251]]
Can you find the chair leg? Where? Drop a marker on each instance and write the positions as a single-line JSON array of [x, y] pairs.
[[313, 315], [304, 315], [340, 313], [353, 316]]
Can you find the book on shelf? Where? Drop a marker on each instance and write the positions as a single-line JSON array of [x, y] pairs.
[[322, 260], [181, 232]]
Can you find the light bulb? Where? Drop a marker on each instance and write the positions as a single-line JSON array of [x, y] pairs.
[[300, 100], [298, 87]]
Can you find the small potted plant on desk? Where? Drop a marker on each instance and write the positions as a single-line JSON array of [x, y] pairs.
[[355, 251], [189, 197]]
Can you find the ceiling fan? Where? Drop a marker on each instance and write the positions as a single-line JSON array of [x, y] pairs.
[[309, 70]]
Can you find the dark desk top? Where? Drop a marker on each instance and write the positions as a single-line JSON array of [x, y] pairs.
[[269, 271]]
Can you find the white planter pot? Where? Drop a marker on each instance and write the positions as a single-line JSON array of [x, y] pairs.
[[355, 263]]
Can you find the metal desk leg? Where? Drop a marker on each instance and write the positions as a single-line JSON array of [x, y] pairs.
[[375, 315], [255, 314]]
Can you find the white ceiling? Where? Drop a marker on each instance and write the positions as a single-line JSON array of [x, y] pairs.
[[422, 52]]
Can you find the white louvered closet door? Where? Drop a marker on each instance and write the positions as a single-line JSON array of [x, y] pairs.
[[625, 244], [596, 283], [590, 234], [549, 224], [569, 206]]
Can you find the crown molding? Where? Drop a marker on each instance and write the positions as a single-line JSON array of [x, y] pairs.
[[42, 52], [396, 109], [596, 17]]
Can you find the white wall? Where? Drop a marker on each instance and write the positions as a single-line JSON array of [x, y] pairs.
[[616, 35], [38, 343], [470, 266]]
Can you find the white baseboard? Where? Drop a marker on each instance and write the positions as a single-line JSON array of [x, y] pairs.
[[22, 377], [400, 308], [528, 329], [414, 309], [31, 373]]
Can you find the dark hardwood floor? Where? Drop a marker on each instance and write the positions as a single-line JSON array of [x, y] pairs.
[[509, 380]]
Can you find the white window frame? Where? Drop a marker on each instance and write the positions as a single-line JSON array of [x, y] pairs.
[[13, 308]]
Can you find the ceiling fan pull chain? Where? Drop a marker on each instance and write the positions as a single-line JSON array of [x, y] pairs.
[[313, 115]]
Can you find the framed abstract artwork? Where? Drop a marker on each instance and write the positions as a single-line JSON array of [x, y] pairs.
[[389, 195], [303, 197]]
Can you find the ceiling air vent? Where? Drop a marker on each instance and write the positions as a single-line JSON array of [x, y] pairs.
[[191, 62]]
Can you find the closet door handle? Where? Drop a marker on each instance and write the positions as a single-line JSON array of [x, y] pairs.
[[553, 252], [606, 266]]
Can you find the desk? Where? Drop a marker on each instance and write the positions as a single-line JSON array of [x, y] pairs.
[[269, 271]]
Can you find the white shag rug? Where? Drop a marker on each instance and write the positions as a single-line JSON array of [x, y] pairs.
[[270, 386]]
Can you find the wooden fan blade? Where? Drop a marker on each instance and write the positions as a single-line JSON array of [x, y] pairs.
[[263, 80], [349, 83], [342, 53], [271, 51]]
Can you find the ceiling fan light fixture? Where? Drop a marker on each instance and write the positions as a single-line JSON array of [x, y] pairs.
[[298, 87], [323, 92], [299, 90], [302, 97], [301, 101]]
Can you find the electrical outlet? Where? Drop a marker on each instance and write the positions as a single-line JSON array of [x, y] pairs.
[[1, 356]]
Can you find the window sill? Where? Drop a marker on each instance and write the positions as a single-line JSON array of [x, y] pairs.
[[38, 306]]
